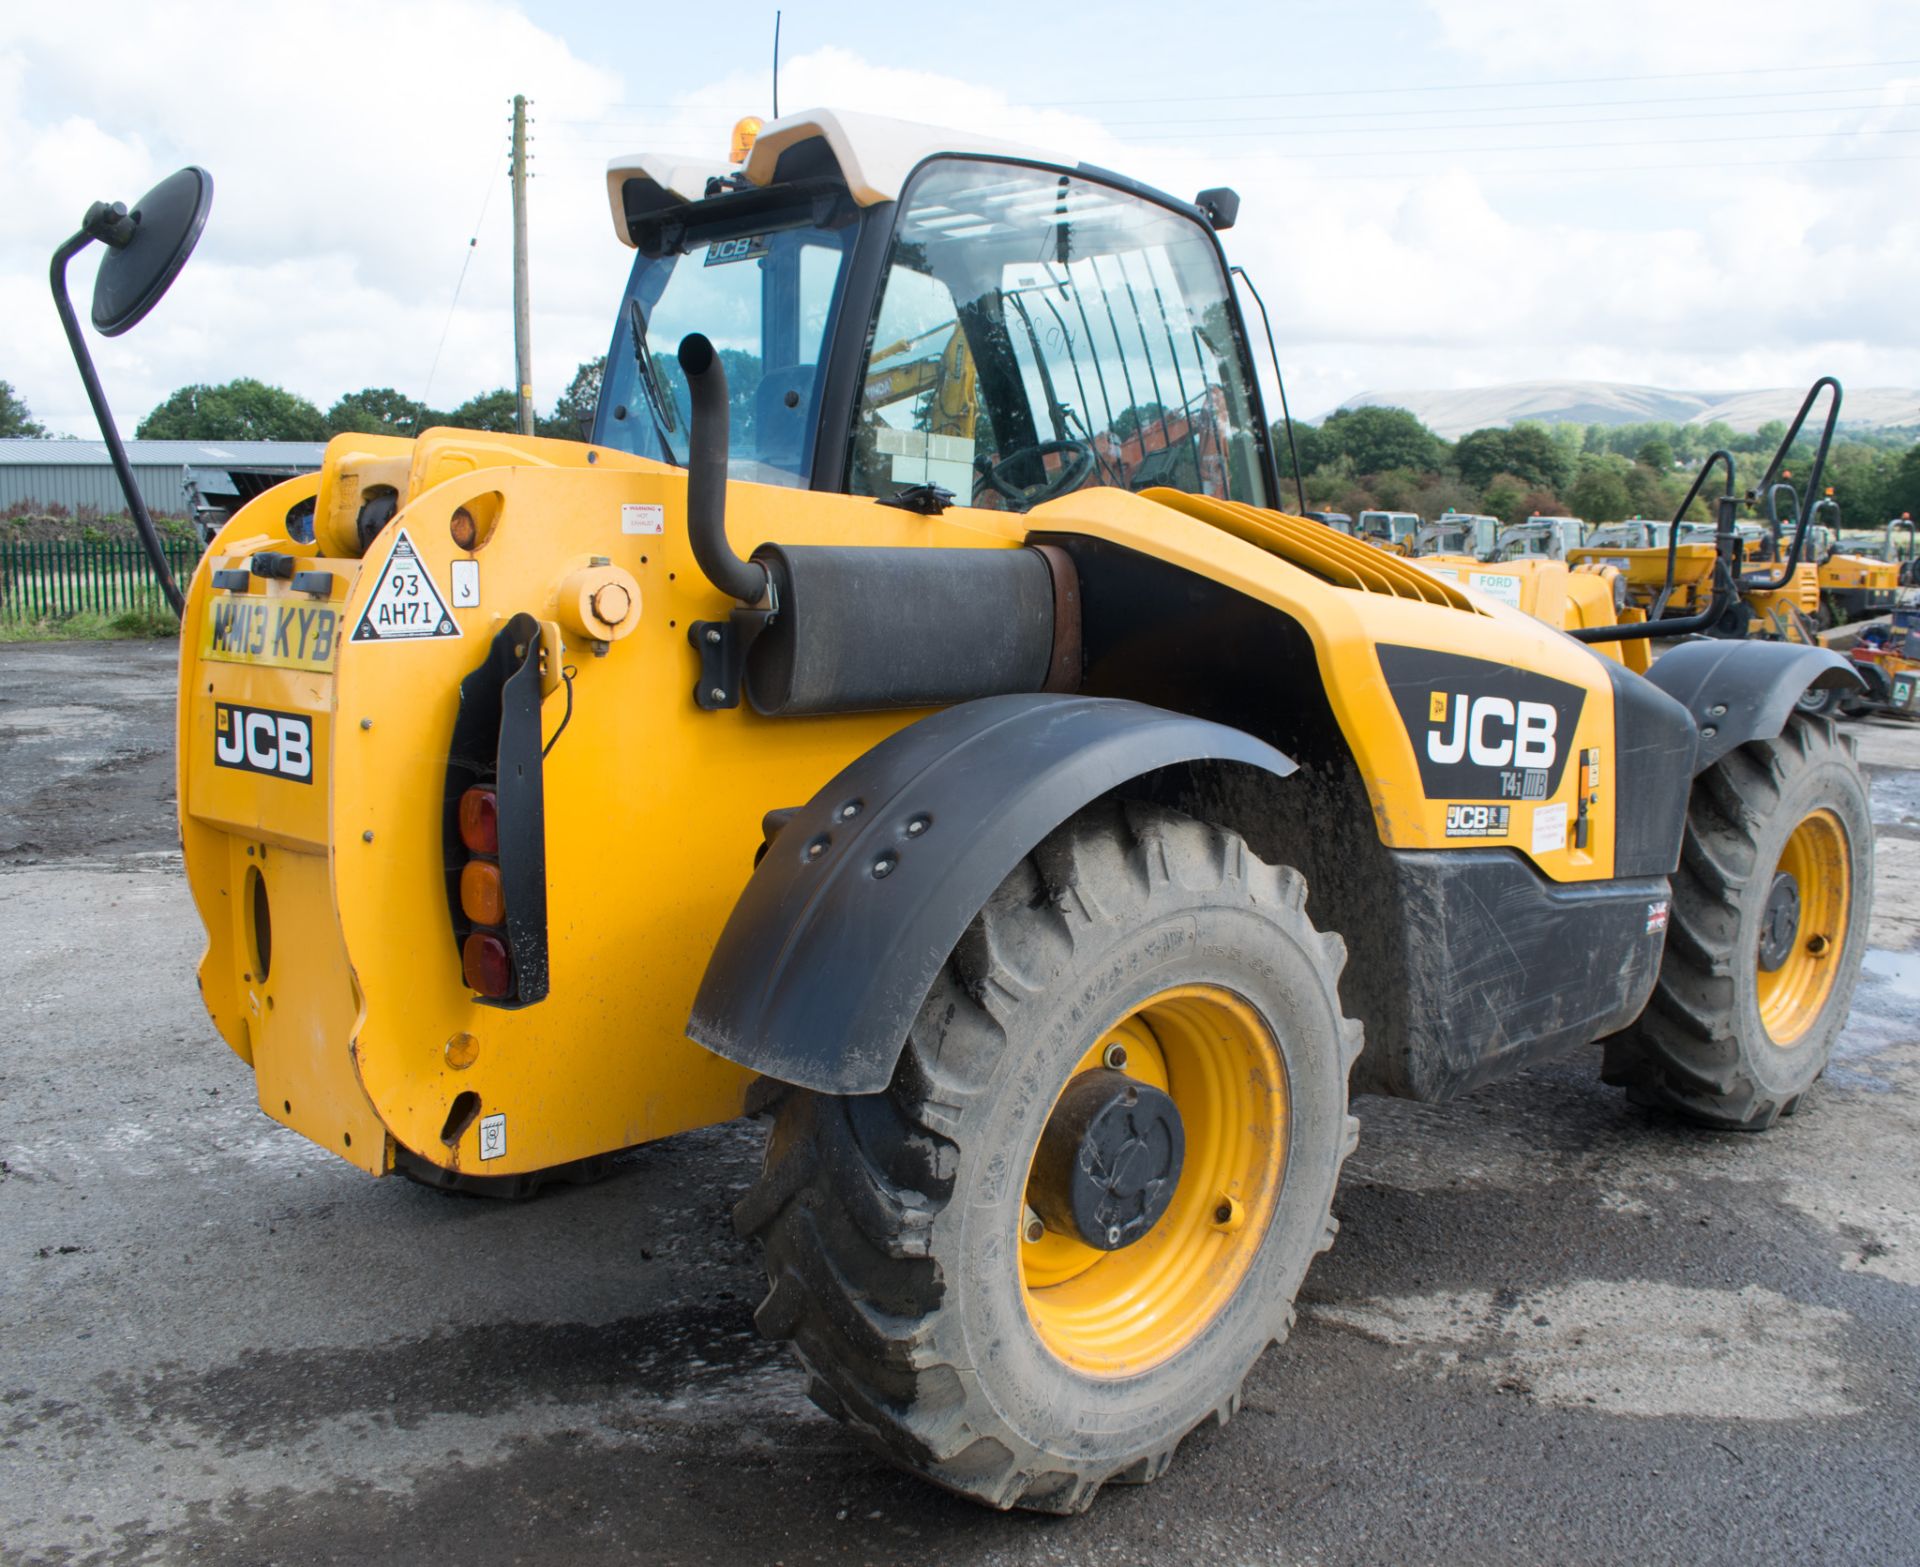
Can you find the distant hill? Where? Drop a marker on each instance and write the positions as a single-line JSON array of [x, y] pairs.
[[1453, 413]]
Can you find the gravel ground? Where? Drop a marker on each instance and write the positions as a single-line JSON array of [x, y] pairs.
[[1555, 1328]]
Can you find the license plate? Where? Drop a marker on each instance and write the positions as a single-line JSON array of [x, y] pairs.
[[280, 633], [1902, 691]]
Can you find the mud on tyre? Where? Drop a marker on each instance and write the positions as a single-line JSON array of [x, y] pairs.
[[1766, 935], [1138, 958]]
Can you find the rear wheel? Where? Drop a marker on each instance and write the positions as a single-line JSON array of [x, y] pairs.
[[1764, 942], [1820, 701], [1062, 1236]]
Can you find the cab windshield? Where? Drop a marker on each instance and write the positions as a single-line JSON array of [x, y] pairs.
[[1037, 332], [764, 289]]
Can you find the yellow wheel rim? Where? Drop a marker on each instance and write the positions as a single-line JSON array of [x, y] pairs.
[[1119, 1313], [1792, 995]]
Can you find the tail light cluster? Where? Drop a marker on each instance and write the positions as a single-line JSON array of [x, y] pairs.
[[493, 822], [484, 958]]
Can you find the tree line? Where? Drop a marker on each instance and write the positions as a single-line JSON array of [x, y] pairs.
[[1357, 459], [1385, 459], [250, 410]]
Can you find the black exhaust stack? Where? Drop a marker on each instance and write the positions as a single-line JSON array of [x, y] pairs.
[[707, 477], [863, 628]]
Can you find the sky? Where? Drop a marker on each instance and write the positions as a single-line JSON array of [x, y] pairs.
[[1708, 194]]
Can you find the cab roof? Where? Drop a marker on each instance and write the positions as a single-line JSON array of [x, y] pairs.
[[871, 153]]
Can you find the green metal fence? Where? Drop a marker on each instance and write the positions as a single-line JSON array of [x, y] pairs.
[[52, 579]]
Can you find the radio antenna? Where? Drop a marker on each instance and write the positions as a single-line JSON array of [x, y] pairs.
[[776, 65]]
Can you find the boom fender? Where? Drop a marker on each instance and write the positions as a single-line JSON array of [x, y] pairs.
[[865, 890], [1739, 691]]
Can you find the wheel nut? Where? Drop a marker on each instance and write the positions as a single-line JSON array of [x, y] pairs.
[[1115, 1056]]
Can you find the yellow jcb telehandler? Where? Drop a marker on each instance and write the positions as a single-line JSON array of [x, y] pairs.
[[1050, 861]]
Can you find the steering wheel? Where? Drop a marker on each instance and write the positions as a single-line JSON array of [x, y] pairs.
[[1070, 475]]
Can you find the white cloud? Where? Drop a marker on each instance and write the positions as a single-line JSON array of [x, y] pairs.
[[1581, 38], [346, 194]]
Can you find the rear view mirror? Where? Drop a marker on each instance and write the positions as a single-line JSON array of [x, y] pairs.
[[147, 247]]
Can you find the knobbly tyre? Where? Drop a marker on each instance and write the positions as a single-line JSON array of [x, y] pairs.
[[1050, 867]]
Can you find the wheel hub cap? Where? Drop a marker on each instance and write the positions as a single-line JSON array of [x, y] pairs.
[[1779, 923], [1109, 1161]]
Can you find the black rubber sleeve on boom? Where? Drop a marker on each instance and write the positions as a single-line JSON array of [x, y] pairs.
[[866, 628], [707, 475]]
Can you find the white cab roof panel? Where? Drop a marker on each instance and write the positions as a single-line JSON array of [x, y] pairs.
[[874, 154]]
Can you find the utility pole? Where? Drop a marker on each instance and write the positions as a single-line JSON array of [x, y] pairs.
[[522, 312]]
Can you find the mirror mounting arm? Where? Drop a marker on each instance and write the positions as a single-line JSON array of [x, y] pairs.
[[100, 214]]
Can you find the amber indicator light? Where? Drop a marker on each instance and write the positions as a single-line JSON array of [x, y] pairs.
[[481, 894]]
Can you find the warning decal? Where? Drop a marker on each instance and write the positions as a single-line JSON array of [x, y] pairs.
[[405, 606]]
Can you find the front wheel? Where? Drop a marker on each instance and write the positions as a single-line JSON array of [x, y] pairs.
[[1767, 931], [1062, 1236]]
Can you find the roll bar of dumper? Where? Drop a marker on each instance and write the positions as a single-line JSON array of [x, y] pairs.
[[1727, 582]]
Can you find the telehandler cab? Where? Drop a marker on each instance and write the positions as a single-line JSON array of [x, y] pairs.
[[1045, 830]]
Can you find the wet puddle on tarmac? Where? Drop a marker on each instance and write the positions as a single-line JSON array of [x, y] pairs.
[[1895, 799], [1898, 970]]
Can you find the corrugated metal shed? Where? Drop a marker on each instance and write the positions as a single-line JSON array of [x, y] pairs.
[[79, 474]]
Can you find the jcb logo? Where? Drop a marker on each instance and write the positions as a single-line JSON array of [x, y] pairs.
[[1481, 730], [743, 249], [259, 740], [1493, 731]]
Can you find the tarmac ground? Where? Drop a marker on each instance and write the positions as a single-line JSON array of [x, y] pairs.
[[1554, 1327]]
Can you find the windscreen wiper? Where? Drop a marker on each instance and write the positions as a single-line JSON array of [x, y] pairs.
[[1055, 411], [658, 403]]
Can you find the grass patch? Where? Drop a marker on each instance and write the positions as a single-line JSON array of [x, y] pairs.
[[92, 625]]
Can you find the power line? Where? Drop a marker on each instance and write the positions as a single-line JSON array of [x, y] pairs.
[[1523, 125], [1563, 81], [1581, 146], [1524, 172], [1445, 87], [1485, 125], [1566, 146], [493, 180], [1320, 116]]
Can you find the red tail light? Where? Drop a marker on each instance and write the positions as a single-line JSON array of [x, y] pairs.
[[480, 821], [483, 959]]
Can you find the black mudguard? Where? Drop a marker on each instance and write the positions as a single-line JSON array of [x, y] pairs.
[[865, 889], [1741, 691]]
